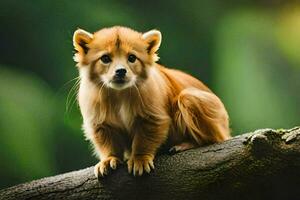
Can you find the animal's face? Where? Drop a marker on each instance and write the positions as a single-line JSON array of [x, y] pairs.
[[117, 57]]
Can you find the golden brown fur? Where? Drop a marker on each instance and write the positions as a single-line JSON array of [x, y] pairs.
[[152, 106]]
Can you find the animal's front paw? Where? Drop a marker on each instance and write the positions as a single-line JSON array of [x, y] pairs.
[[102, 168], [139, 163]]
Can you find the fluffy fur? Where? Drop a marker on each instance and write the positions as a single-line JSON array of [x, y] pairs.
[[151, 106]]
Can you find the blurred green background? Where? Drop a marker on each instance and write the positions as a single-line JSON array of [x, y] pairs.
[[247, 51]]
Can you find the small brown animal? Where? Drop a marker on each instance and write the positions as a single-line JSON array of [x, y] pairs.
[[131, 105]]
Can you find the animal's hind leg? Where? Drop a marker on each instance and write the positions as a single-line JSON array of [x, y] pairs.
[[182, 147], [202, 116]]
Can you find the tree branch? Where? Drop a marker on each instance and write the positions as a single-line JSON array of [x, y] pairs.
[[264, 164]]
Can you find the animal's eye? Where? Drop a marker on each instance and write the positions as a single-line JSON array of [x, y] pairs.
[[105, 59], [131, 58]]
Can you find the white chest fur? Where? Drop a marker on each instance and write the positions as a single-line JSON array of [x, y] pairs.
[[126, 116], [122, 116]]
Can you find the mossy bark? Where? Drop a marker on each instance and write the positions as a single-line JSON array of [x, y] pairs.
[[264, 164]]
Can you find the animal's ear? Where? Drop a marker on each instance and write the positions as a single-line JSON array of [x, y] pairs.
[[153, 39], [81, 39]]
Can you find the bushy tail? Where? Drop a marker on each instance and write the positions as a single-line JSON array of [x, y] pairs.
[[202, 115]]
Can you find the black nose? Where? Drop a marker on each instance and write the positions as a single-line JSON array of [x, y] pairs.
[[120, 73]]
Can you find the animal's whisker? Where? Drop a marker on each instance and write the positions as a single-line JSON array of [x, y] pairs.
[[101, 88], [76, 78], [71, 94], [138, 91]]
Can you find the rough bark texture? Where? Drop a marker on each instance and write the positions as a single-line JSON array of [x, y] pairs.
[[264, 164]]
